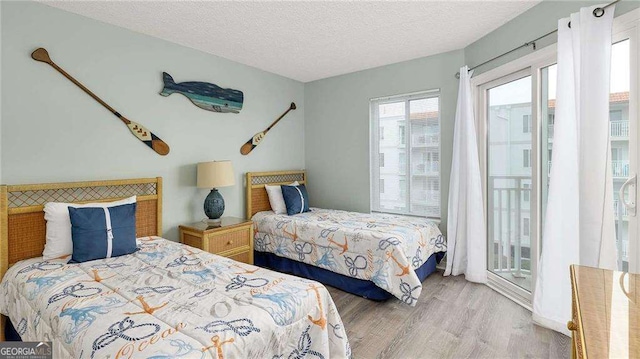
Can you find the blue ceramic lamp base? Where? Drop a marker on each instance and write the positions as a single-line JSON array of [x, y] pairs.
[[214, 206]]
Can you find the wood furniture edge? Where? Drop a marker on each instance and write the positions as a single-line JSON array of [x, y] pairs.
[[4, 247], [159, 205], [195, 232], [250, 187], [217, 230]]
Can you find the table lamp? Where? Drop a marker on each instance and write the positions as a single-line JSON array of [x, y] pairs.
[[215, 174]]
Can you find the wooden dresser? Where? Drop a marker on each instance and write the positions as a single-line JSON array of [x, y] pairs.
[[233, 238], [606, 313]]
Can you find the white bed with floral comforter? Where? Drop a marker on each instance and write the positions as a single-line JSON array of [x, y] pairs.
[[385, 249], [169, 300]]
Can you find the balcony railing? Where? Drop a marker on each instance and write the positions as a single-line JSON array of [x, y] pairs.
[[619, 129], [619, 210], [508, 207], [620, 168], [425, 140], [425, 196], [431, 167]]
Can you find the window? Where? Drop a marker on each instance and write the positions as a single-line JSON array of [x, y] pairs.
[[402, 162], [526, 158], [550, 119], [414, 181], [526, 123], [526, 227], [381, 185], [526, 192], [615, 115]]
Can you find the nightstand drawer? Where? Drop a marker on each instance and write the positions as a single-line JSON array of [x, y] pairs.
[[232, 239], [244, 257]]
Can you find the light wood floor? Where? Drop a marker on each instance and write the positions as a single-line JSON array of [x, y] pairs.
[[453, 319]]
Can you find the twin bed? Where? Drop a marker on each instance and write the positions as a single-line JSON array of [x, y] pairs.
[[376, 256], [166, 300], [169, 300]]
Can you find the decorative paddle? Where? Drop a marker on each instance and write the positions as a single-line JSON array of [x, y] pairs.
[[144, 135], [255, 140]]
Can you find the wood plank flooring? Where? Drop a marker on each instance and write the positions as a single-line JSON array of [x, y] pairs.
[[453, 319]]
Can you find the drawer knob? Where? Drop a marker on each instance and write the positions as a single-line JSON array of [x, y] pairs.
[[572, 326], [230, 242]]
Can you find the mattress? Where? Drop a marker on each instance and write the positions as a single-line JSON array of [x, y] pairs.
[[169, 300], [381, 248]]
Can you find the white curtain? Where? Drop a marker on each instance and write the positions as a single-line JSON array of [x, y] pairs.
[[579, 223], [466, 234]]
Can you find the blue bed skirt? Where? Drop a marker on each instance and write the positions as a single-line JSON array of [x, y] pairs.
[[10, 333], [360, 287]]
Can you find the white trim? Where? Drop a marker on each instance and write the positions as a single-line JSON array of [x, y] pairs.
[[625, 26], [407, 95], [509, 290], [107, 217], [374, 148], [515, 65]]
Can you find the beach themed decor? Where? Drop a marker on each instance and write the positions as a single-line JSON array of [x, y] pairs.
[[205, 95], [144, 135], [255, 140]]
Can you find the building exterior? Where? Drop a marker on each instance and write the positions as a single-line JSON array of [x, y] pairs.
[[509, 182], [409, 161]]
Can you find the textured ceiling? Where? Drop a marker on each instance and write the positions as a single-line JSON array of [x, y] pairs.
[[309, 40]]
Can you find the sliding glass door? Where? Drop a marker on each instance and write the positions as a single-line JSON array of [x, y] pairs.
[[509, 138], [515, 114]]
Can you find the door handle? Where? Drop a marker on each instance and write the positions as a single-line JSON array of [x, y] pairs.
[[631, 205]]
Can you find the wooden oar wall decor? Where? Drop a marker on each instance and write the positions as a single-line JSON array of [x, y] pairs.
[[255, 140], [144, 135]]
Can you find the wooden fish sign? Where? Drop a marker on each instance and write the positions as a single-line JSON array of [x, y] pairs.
[[205, 95]]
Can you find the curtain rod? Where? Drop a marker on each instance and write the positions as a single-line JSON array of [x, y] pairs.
[[597, 12]]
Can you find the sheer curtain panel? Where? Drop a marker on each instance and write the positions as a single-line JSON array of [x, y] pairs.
[[466, 231]]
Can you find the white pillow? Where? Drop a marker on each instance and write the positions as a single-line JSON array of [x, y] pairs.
[[58, 235], [275, 198]]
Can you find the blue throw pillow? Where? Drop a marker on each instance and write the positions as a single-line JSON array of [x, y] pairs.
[[99, 233], [296, 199]]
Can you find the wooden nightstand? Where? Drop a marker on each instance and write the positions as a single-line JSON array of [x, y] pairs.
[[232, 239]]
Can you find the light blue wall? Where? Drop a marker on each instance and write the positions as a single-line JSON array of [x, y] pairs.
[[337, 109], [535, 22], [52, 131], [337, 126]]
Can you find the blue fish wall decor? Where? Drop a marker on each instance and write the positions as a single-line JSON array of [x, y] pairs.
[[205, 95]]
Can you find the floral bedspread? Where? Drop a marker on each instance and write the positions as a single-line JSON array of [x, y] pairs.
[[384, 249], [169, 300]]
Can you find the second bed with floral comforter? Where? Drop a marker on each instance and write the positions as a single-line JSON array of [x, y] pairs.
[[384, 249]]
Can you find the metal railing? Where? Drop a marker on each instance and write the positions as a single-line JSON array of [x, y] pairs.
[[620, 168], [619, 129], [508, 199], [429, 167], [425, 196], [425, 140]]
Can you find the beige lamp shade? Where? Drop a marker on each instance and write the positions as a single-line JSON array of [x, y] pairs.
[[215, 174]]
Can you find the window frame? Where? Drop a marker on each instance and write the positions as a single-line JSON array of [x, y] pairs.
[[374, 146]]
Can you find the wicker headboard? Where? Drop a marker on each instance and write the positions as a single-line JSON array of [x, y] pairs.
[[257, 199], [22, 224]]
